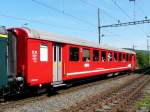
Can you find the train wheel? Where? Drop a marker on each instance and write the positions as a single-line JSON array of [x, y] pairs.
[[129, 72], [51, 90], [2, 100]]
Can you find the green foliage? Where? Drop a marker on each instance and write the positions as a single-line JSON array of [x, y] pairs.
[[142, 59], [144, 103]]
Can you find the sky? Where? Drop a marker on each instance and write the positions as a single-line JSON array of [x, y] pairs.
[[78, 18]]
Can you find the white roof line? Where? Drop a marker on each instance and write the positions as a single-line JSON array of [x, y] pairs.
[[71, 40]]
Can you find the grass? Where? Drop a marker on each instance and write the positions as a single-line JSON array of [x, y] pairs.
[[145, 103]]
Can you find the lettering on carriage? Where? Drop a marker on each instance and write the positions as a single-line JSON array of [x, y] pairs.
[[34, 56], [34, 80], [129, 65], [86, 65]]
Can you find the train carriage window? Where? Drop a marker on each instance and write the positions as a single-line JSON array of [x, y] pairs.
[[120, 57], [127, 57], [109, 56], [115, 56], [86, 55], [43, 53], [74, 54], [130, 57], [124, 57], [95, 55], [103, 58]]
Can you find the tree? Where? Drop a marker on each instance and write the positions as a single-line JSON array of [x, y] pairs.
[[142, 59]]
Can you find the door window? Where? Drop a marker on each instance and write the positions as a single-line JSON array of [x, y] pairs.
[[59, 53], [43, 53], [54, 53]]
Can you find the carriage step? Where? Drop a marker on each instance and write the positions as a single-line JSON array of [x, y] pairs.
[[58, 84]]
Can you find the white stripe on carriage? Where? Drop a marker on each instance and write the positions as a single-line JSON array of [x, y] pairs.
[[92, 71]]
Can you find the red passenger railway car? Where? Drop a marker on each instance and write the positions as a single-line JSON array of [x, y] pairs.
[[42, 58]]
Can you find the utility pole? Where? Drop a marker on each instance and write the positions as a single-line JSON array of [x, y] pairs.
[[134, 13], [148, 50], [99, 27], [133, 47]]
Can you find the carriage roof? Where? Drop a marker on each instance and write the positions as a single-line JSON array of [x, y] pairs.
[[33, 33]]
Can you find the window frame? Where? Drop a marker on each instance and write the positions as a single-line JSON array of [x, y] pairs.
[[115, 60], [120, 58], [105, 59], [42, 53], [127, 57], [97, 56], [123, 57], [86, 48], [130, 57], [78, 54], [111, 56]]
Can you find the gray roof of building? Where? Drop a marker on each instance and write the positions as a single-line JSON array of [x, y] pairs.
[[33, 33], [3, 30]]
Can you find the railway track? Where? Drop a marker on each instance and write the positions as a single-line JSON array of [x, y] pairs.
[[12, 104], [115, 100]]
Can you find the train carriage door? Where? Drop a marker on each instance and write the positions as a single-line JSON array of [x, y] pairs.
[[57, 63], [3, 57]]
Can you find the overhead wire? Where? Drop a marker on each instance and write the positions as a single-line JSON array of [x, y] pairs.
[[141, 10], [124, 12], [42, 22], [95, 6], [106, 13], [63, 12]]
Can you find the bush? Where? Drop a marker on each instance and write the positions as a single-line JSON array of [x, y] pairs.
[[142, 59]]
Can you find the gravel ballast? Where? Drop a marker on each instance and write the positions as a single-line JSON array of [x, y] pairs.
[[64, 101]]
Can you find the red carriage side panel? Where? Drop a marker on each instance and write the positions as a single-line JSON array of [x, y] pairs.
[[133, 61], [39, 64], [35, 58], [81, 69]]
